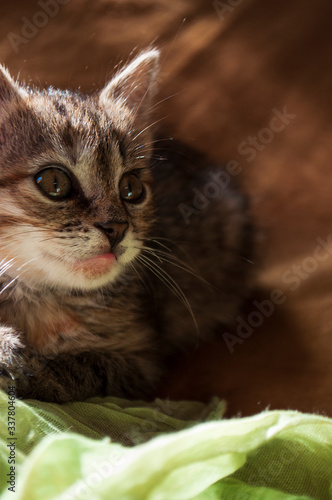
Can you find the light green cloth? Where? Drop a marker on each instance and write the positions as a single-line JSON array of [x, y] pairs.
[[62, 452]]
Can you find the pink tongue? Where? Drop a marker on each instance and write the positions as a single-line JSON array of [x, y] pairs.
[[105, 256], [97, 264]]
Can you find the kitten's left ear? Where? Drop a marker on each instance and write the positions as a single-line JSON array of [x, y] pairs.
[[135, 85], [9, 90]]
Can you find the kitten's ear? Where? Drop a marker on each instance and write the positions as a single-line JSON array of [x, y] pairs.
[[135, 85], [9, 90]]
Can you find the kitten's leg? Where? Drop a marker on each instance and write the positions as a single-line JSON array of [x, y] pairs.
[[10, 355], [69, 377]]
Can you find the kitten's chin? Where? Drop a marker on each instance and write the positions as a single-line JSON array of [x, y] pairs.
[[67, 273], [94, 267], [92, 273], [89, 274], [84, 275]]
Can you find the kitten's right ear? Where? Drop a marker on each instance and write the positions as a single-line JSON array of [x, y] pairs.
[[134, 85], [9, 90]]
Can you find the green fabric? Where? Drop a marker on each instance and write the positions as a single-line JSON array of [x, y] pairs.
[[62, 452]]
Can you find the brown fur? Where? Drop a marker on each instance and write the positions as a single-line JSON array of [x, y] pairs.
[[70, 334]]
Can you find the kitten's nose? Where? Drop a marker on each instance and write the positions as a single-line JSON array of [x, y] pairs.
[[114, 231]]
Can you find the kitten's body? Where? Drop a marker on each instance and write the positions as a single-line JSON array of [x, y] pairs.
[[76, 325]]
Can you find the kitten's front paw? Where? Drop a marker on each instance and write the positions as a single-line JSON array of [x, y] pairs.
[[13, 359], [6, 382], [32, 375]]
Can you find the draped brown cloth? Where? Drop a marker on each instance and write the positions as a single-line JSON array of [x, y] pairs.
[[243, 80]]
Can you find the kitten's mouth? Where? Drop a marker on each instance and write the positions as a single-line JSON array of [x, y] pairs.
[[95, 266]]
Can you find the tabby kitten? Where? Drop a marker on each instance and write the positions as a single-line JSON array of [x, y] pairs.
[[101, 274]]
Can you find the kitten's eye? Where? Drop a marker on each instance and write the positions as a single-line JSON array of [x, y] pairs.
[[131, 189], [54, 182]]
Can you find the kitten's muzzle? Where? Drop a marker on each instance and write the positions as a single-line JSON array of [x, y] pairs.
[[114, 231]]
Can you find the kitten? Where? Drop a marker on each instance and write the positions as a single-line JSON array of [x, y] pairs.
[[104, 270]]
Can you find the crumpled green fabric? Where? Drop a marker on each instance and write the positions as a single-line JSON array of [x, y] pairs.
[[109, 448]]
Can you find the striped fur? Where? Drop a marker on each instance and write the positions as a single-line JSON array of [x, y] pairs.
[[70, 332]]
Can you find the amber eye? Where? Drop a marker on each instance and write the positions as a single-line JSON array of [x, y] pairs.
[[54, 182], [131, 189]]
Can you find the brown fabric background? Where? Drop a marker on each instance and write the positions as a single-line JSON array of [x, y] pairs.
[[227, 66]]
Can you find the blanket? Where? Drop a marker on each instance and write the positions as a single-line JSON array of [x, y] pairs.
[[242, 80], [246, 81], [110, 448]]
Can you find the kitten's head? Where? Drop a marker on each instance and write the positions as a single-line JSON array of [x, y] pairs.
[[75, 187]]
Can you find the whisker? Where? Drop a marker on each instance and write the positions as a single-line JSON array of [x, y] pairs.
[[152, 150], [159, 158], [171, 259], [151, 157], [151, 125], [139, 276], [166, 98], [55, 238], [7, 265], [158, 242], [141, 101], [155, 239], [4, 261], [152, 142], [168, 281], [11, 282], [176, 262], [26, 263], [6, 236], [150, 251]]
